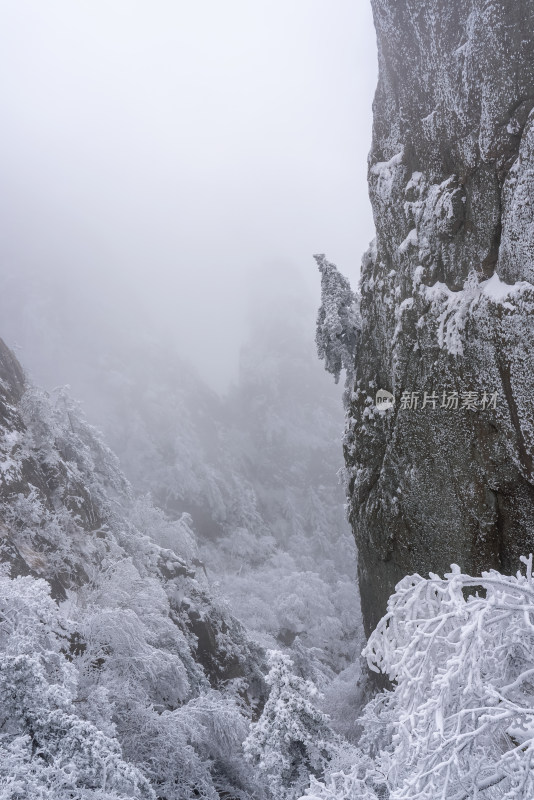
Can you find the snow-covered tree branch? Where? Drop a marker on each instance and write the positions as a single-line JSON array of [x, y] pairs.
[[459, 722]]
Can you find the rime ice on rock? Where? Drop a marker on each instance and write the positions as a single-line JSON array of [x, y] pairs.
[[447, 297]]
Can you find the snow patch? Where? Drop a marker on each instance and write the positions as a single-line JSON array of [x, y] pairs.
[[453, 307], [385, 172], [417, 276], [497, 290], [410, 241]]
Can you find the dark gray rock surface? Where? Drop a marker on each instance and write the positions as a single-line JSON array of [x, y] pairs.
[[447, 300]]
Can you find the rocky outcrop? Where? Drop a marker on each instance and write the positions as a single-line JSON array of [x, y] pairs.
[[66, 515], [447, 298]]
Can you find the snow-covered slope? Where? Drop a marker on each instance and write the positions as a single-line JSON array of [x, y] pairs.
[[256, 469], [148, 658]]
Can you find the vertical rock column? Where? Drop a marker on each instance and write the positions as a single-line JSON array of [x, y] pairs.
[[447, 298]]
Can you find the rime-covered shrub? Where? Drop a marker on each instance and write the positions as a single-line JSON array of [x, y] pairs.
[[459, 722]]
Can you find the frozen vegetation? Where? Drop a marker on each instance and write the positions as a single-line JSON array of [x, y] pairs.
[[180, 614], [122, 676], [138, 628], [141, 657]]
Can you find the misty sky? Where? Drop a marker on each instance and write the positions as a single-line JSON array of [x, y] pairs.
[[172, 155]]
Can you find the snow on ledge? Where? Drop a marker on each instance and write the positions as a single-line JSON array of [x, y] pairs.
[[453, 307], [410, 241], [385, 172], [497, 290]]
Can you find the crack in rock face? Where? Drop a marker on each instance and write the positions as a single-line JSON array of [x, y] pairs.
[[447, 298]]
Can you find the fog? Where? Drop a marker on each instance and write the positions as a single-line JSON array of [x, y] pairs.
[[164, 162], [172, 471]]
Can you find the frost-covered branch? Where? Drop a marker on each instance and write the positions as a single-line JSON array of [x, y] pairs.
[[459, 722], [464, 672]]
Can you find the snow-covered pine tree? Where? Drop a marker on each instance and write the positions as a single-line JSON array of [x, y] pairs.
[[338, 320], [292, 740]]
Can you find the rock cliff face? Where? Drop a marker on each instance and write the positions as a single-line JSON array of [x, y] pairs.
[[447, 298]]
